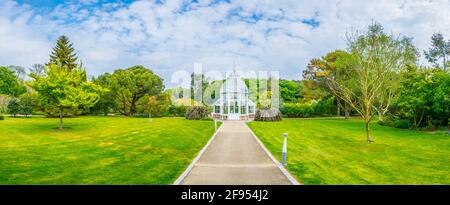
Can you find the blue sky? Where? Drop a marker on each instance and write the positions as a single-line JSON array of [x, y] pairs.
[[43, 3], [52, 3], [168, 36]]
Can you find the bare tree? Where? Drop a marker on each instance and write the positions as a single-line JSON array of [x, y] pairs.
[[37, 69], [387, 94], [364, 77], [19, 70]]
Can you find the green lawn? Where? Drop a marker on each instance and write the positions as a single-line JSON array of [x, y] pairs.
[[332, 151], [99, 150]]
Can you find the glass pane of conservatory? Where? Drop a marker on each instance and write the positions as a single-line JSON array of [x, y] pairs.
[[243, 110]]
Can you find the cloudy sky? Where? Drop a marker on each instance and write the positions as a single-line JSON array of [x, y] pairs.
[[171, 35]]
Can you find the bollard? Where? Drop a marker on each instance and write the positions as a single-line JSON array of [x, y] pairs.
[[215, 125], [284, 151]]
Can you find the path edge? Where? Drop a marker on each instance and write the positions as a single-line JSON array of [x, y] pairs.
[[282, 169], [199, 155]]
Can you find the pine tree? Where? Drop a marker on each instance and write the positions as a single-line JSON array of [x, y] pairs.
[[64, 53]]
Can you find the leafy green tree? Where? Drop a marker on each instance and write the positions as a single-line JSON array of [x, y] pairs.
[[374, 57], [64, 88], [14, 107], [180, 96], [156, 105], [28, 102], [290, 90], [64, 53], [107, 102], [424, 97], [260, 91], [9, 84], [323, 71], [312, 90], [131, 84], [439, 49], [325, 67]]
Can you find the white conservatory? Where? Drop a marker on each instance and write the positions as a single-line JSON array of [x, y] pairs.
[[233, 103]]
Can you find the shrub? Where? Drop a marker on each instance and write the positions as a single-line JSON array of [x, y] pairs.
[[402, 123], [297, 110], [156, 105], [324, 107], [268, 114], [197, 113], [386, 123], [2, 117], [176, 111], [396, 121]]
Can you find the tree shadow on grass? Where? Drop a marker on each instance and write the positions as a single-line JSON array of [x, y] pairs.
[[64, 128]]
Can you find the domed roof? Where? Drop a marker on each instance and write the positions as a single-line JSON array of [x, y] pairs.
[[234, 84]]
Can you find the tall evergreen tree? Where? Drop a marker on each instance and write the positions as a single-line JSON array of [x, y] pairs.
[[64, 53]]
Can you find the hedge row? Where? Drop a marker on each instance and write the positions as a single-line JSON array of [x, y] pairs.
[[325, 107]]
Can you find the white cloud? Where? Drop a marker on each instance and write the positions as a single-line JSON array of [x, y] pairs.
[[164, 38]]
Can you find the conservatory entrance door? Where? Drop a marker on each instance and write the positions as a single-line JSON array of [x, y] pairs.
[[234, 112]]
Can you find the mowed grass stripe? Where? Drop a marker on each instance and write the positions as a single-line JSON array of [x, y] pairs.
[[334, 151], [99, 150]]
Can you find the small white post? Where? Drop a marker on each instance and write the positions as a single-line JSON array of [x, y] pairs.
[[284, 151], [215, 125]]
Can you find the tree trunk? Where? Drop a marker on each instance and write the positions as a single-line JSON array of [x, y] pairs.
[[338, 107], [346, 110], [369, 137], [367, 117], [60, 119], [417, 124], [133, 105], [445, 64]]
